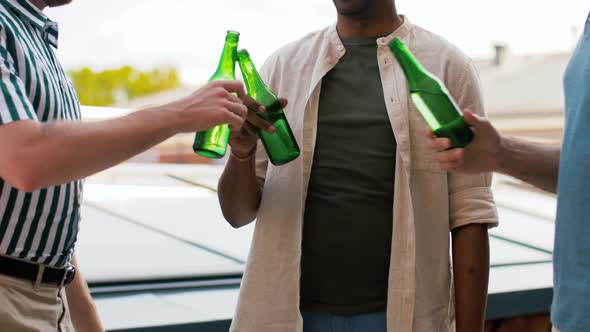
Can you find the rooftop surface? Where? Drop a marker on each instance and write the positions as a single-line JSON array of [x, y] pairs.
[[159, 256]]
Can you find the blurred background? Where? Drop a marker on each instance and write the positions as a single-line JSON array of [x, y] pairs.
[[178, 265], [136, 53]]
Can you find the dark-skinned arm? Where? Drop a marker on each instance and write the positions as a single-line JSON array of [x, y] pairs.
[[471, 262], [239, 191], [490, 151]]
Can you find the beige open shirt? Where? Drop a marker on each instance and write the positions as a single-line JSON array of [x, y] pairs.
[[427, 204]]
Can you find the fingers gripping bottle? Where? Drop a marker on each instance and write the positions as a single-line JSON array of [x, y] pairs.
[[281, 146], [212, 143]]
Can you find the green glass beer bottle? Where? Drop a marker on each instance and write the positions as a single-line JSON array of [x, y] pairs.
[[431, 98], [212, 143], [281, 146]]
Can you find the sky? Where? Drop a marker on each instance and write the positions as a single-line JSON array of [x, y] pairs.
[[189, 34]]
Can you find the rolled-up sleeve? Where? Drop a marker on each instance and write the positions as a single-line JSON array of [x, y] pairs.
[[14, 103], [474, 205], [470, 196]]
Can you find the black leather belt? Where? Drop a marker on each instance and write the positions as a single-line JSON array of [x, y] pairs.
[[36, 273]]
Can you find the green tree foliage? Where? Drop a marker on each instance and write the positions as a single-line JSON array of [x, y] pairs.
[[110, 86]]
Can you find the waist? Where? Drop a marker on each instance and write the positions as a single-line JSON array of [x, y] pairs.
[[35, 273]]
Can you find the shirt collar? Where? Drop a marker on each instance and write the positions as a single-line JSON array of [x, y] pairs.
[[36, 17], [402, 32]]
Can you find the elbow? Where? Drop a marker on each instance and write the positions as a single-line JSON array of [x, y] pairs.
[[26, 186], [236, 225], [24, 172], [237, 212], [238, 221], [24, 179]]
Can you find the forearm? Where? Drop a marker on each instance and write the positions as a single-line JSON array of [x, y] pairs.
[[239, 192], [60, 152], [471, 273], [82, 310], [533, 163]]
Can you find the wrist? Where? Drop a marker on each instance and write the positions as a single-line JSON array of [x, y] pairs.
[[243, 156], [503, 154], [165, 118], [172, 117]]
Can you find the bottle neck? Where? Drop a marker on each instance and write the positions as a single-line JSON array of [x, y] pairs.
[[411, 67], [251, 76], [255, 85], [227, 62]]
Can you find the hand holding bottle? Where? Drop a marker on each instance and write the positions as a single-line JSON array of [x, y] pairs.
[[212, 143], [281, 146], [212, 105], [243, 142], [482, 155], [431, 98]]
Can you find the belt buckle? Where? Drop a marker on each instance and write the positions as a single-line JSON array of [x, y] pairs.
[[69, 274]]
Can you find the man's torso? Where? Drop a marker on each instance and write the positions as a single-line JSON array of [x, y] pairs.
[[426, 204]]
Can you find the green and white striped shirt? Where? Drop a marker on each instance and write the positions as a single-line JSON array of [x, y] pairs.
[[39, 226]]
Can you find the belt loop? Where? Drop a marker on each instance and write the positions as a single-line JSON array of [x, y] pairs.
[[39, 276], [67, 272]]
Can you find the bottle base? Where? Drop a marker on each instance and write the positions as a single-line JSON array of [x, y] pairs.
[[212, 143], [458, 132], [211, 153], [285, 159]]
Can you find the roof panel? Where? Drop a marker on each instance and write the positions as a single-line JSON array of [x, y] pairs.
[[115, 249], [144, 310], [505, 253], [190, 213], [526, 229], [526, 200], [136, 179], [217, 304], [520, 278], [157, 221]]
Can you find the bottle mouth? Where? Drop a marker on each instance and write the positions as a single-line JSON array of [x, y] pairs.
[[243, 54], [232, 35], [396, 43]]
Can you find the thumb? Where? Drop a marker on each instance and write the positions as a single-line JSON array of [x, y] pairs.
[[472, 119]]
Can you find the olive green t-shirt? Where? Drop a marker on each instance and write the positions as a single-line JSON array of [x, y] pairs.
[[349, 210]]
